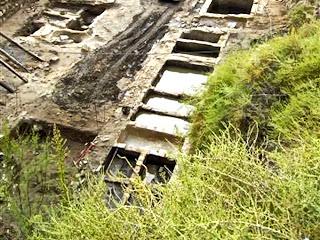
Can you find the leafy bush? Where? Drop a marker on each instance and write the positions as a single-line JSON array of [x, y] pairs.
[[300, 14]]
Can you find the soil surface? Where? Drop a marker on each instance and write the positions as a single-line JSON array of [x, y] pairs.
[[82, 85], [95, 78], [87, 85]]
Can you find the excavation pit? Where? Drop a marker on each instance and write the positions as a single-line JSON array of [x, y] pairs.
[[167, 104], [180, 81], [30, 28], [160, 123], [199, 35], [114, 194], [188, 65], [90, 14], [63, 17], [197, 48], [120, 163], [157, 170], [75, 138], [87, 17], [154, 168], [230, 7], [147, 140]]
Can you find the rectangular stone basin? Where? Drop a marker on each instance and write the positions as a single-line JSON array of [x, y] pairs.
[[157, 169], [197, 48], [168, 105], [181, 81], [230, 6], [120, 163], [161, 123], [148, 140], [199, 35]]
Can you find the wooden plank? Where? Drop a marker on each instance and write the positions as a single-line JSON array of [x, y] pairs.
[[12, 59]]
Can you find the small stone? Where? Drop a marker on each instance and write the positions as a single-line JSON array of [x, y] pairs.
[[54, 59], [64, 37]]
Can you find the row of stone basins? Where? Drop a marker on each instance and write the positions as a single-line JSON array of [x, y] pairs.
[[160, 124], [159, 127]]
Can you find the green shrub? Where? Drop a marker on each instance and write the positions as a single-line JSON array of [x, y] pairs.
[[300, 14], [223, 192], [29, 180], [245, 87]]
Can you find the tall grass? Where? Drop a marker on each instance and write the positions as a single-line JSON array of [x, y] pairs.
[[250, 86]]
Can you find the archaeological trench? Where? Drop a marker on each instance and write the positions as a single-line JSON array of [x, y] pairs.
[[115, 75]]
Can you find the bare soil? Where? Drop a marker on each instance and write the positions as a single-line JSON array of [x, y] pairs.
[[94, 79]]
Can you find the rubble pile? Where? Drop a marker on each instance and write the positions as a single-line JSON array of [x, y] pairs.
[[9, 7]]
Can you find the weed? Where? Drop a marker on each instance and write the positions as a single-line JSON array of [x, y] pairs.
[[222, 192], [29, 182], [300, 14]]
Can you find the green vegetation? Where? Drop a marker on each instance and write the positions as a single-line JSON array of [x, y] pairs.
[[29, 180], [301, 14], [257, 173], [272, 85], [224, 193], [255, 170]]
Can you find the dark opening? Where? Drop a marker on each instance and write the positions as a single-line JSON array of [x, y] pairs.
[[197, 48], [86, 19], [33, 24], [201, 36], [231, 6], [89, 15], [120, 162], [157, 169]]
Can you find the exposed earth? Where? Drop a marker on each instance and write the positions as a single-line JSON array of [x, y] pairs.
[[93, 75]]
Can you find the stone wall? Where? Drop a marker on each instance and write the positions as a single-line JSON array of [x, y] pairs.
[[9, 7]]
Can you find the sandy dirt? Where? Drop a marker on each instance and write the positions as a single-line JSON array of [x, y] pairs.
[[87, 85], [81, 85]]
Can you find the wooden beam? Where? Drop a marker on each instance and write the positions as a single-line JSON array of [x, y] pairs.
[[13, 71], [21, 47], [7, 87], [12, 59]]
